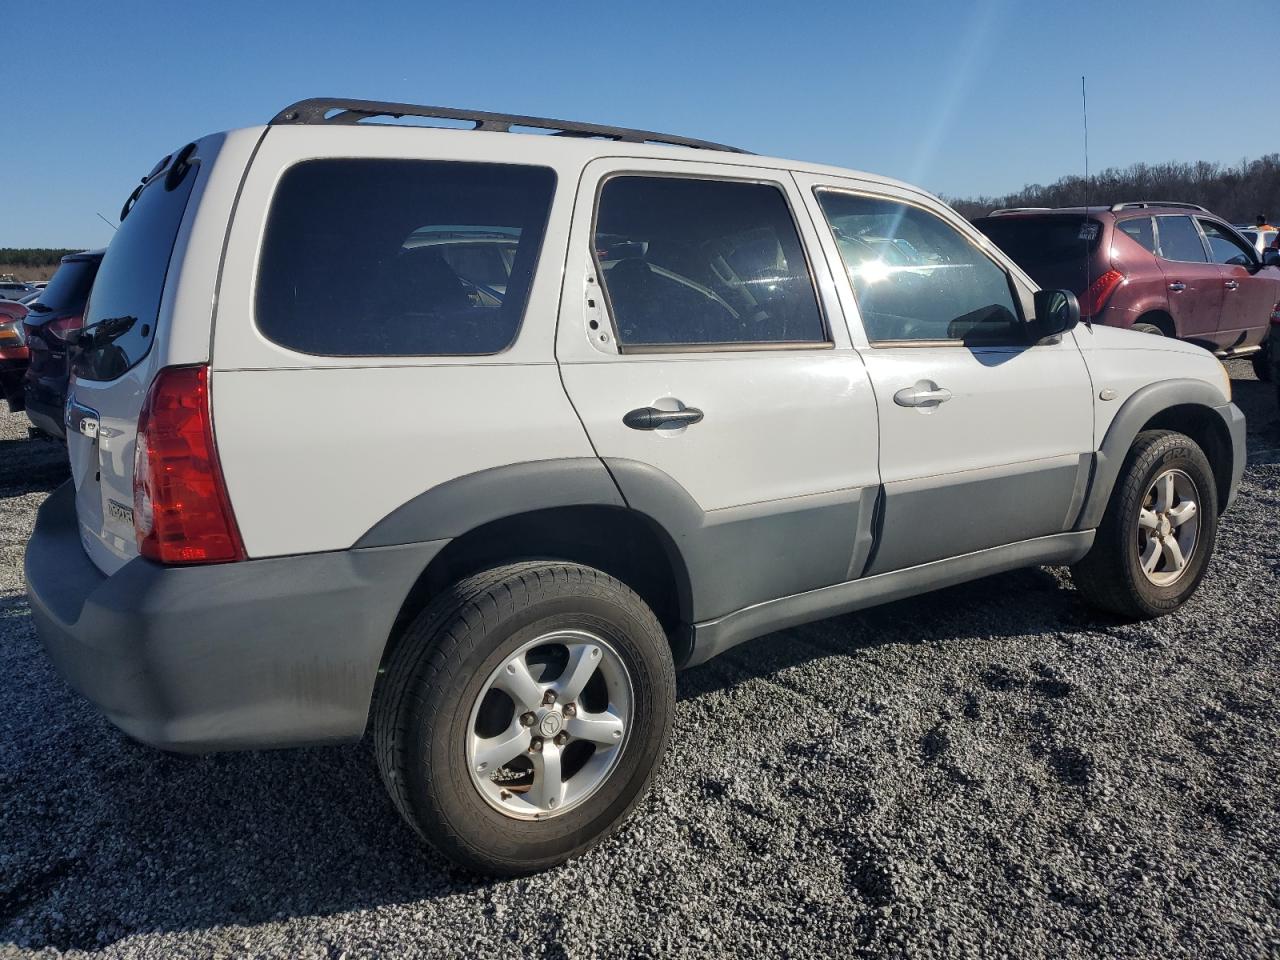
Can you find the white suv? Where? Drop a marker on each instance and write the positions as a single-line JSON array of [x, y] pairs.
[[613, 403]]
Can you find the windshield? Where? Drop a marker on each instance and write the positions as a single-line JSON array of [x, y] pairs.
[[1035, 242], [121, 319]]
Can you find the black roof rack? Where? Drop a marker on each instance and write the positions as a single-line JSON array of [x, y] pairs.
[[1144, 204], [323, 110], [1004, 210]]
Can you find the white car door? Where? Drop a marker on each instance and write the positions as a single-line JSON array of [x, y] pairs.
[[701, 342], [986, 437]]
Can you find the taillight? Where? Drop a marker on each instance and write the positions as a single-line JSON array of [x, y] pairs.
[[1275, 315], [181, 512], [63, 327], [1095, 298], [13, 342]]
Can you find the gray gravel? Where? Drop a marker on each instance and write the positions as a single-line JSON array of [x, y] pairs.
[[992, 771]]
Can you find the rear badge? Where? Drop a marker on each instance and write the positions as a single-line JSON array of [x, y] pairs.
[[118, 511]]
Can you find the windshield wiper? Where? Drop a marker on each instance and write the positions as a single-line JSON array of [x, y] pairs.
[[104, 331]]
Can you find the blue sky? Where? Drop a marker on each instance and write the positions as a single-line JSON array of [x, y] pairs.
[[962, 98]]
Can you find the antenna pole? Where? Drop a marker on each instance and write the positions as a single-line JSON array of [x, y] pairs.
[[1084, 224], [104, 220]]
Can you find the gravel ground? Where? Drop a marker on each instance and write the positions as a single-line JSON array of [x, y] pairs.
[[995, 771]]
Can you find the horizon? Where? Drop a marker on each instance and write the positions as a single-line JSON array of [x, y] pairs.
[[964, 103]]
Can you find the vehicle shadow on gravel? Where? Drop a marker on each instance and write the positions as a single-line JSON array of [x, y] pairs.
[[31, 466]]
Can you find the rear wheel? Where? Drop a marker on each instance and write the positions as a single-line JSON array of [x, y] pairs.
[[1157, 535], [1148, 328], [524, 714]]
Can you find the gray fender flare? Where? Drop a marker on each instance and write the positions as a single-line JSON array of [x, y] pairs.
[[459, 506], [1135, 412]]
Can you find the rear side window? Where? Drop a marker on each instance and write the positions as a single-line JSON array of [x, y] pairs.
[[1140, 230], [393, 258], [1180, 240], [689, 262], [120, 322]]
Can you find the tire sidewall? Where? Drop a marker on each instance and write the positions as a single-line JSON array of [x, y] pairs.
[[439, 778], [1178, 453]]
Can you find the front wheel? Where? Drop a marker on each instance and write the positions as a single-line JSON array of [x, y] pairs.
[[1157, 535], [523, 715], [1263, 365]]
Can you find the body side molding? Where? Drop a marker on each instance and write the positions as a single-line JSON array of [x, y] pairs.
[[716, 636]]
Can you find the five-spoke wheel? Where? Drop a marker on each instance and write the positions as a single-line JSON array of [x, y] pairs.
[[1168, 527]]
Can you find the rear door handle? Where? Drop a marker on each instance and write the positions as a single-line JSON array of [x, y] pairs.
[[1232, 284], [925, 393], [651, 418], [1177, 286]]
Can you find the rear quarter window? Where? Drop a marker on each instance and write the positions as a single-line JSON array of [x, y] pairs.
[[389, 258]]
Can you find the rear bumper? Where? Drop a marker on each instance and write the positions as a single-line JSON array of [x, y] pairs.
[[262, 653], [46, 416]]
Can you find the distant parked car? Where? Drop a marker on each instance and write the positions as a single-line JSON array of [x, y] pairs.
[[1166, 268], [1261, 238], [15, 289], [13, 352], [55, 319]]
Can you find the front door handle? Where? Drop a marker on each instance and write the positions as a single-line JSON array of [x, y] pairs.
[[651, 418], [1177, 286], [1232, 284], [925, 394]]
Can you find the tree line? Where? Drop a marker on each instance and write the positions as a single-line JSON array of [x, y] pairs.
[[1237, 192], [33, 256]]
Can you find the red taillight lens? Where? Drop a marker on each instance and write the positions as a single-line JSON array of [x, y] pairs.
[[1095, 298], [181, 512], [63, 327]]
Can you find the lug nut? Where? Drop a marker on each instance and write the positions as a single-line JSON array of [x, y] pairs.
[[536, 746], [549, 697], [561, 739], [527, 719], [570, 710]]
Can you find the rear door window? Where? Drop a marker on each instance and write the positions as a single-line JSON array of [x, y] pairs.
[[694, 262], [1180, 240], [1140, 229], [394, 258], [120, 321]]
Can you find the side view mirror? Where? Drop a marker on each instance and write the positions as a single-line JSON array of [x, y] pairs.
[[1271, 258], [1057, 311]]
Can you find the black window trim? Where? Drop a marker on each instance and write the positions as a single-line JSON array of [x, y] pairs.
[[401, 359], [1204, 245], [743, 346], [898, 344]]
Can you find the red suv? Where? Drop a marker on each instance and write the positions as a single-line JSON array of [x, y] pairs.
[[1169, 268]]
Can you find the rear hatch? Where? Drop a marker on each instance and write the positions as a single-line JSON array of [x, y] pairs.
[[109, 375], [1058, 251]]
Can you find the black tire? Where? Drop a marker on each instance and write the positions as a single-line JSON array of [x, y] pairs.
[[1263, 368], [1110, 575], [437, 673], [1148, 328]]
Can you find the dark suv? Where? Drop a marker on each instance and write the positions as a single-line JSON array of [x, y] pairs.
[[1170, 268], [51, 327]]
